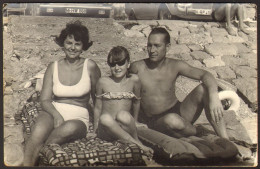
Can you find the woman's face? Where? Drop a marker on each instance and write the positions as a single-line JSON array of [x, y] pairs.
[[72, 48], [119, 69]]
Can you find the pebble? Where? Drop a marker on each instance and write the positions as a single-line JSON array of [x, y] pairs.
[[13, 154], [213, 62]]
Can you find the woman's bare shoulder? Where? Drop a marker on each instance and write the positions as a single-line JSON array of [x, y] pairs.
[[92, 63]]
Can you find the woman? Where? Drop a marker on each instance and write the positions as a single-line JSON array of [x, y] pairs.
[[67, 86]]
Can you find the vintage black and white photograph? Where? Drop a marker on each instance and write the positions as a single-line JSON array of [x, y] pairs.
[[130, 84]]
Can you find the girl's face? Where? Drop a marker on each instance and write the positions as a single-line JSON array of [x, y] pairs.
[[72, 48], [119, 69]]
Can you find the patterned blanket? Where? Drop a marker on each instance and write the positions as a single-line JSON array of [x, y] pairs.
[[92, 151], [89, 151]]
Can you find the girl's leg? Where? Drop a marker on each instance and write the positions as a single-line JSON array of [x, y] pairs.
[[116, 130], [127, 122], [40, 132], [68, 131]]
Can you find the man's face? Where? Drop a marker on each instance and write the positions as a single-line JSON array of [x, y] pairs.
[[157, 47]]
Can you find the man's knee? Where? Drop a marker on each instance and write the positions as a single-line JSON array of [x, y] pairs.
[[106, 120], [123, 117], [174, 121]]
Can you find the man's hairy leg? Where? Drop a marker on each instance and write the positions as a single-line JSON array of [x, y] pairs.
[[192, 106]]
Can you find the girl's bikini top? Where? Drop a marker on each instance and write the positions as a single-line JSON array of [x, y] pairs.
[[118, 95]]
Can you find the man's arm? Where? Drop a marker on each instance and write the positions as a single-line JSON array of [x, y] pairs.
[[210, 82]]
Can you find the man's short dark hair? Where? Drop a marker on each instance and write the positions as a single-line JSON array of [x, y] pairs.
[[160, 30]]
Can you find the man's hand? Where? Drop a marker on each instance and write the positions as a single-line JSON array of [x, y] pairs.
[[215, 108], [58, 120], [140, 125]]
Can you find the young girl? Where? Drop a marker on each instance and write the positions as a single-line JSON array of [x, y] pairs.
[[117, 96]]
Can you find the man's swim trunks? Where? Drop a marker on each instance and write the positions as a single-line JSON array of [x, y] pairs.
[[150, 121]]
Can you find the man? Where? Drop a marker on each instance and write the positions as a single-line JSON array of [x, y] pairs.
[[160, 108], [226, 12]]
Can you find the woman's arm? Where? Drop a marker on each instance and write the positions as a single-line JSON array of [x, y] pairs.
[[98, 105], [137, 91], [94, 76], [46, 96]]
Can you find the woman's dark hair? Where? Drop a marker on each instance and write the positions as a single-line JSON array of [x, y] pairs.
[[160, 30], [79, 31], [118, 54]]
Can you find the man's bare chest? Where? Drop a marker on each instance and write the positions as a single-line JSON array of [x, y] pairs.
[[161, 77]]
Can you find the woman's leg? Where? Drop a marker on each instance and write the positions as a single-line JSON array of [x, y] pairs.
[[114, 128], [68, 131], [40, 132]]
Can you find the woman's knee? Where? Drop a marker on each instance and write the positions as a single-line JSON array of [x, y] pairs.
[[124, 117], [174, 121], [73, 127], [42, 128]]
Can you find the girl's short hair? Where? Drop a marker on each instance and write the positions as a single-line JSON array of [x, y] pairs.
[[79, 31], [118, 54]]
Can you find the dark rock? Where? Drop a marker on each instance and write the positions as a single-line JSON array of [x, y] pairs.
[[218, 32], [251, 59], [245, 71], [8, 90], [195, 47], [193, 29], [242, 48], [224, 72], [195, 63], [9, 80], [178, 49], [213, 62], [183, 56], [193, 38], [231, 60], [248, 87], [184, 31], [220, 49], [200, 55]]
